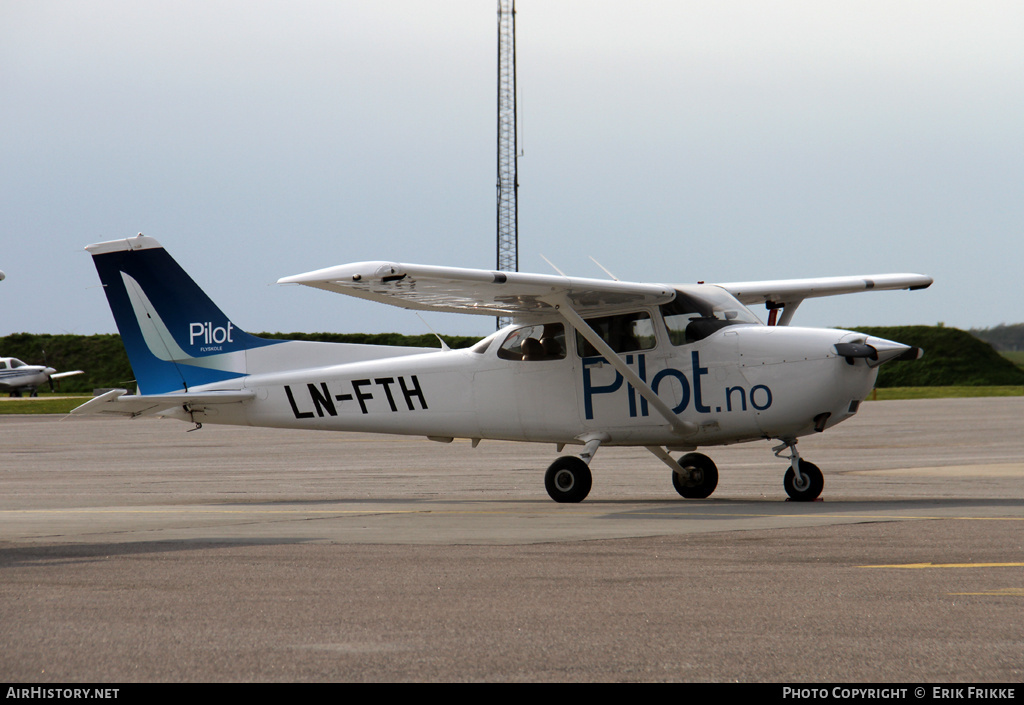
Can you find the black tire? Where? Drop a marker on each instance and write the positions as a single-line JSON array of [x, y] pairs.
[[703, 477], [568, 480], [814, 483]]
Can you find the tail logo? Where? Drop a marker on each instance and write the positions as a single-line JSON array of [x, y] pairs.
[[163, 346], [208, 335]]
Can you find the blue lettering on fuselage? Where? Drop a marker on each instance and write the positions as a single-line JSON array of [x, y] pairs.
[[692, 388]]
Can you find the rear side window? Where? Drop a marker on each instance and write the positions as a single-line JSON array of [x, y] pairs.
[[625, 332]]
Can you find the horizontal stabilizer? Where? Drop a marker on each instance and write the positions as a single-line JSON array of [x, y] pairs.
[[117, 402]]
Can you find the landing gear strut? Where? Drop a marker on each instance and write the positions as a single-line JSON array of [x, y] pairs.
[[803, 481], [568, 479], [694, 475]]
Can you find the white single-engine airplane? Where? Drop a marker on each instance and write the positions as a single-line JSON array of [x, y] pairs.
[[17, 377], [586, 363]]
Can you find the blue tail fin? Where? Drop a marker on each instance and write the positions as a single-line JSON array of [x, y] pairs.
[[175, 336]]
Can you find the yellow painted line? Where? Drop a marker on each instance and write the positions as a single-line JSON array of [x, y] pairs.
[[948, 565], [1005, 592]]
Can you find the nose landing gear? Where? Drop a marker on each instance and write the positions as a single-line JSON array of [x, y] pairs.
[[803, 481]]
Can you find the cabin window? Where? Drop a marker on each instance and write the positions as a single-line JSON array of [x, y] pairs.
[[3, 364], [534, 343], [691, 317], [624, 333]]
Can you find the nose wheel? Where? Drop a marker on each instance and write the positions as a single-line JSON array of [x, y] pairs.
[[807, 486], [803, 481]]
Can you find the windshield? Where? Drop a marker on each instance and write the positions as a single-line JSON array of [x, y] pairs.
[[694, 315]]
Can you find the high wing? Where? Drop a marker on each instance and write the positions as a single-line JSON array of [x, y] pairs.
[[478, 291], [787, 294], [784, 290], [517, 294]]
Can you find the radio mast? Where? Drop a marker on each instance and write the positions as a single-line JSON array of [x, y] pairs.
[[508, 179]]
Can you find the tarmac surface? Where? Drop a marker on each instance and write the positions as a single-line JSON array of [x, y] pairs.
[[135, 551]]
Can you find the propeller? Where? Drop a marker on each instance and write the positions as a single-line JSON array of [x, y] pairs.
[[49, 377]]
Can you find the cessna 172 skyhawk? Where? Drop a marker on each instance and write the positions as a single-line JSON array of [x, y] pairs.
[[586, 363]]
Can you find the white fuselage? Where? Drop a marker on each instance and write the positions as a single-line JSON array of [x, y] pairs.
[[743, 382], [24, 377]]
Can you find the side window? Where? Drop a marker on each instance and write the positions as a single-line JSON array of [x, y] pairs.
[[624, 333], [680, 313], [692, 318], [534, 343]]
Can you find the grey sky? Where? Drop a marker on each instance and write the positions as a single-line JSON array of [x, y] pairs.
[[672, 141]]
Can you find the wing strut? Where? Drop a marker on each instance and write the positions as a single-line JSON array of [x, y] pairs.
[[566, 311], [788, 309]]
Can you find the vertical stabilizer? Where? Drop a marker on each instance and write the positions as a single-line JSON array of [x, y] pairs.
[[175, 336]]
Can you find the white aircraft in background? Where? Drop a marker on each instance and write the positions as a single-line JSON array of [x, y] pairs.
[[17, 377], [586, 363]]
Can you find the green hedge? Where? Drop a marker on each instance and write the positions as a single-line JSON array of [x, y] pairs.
[[101, 357]]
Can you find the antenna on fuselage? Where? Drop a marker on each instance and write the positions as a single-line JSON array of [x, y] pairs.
[[444, 345]]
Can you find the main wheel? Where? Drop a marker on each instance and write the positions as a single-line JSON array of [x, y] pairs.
[[568, 479], [812, 485], [702, 478]]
